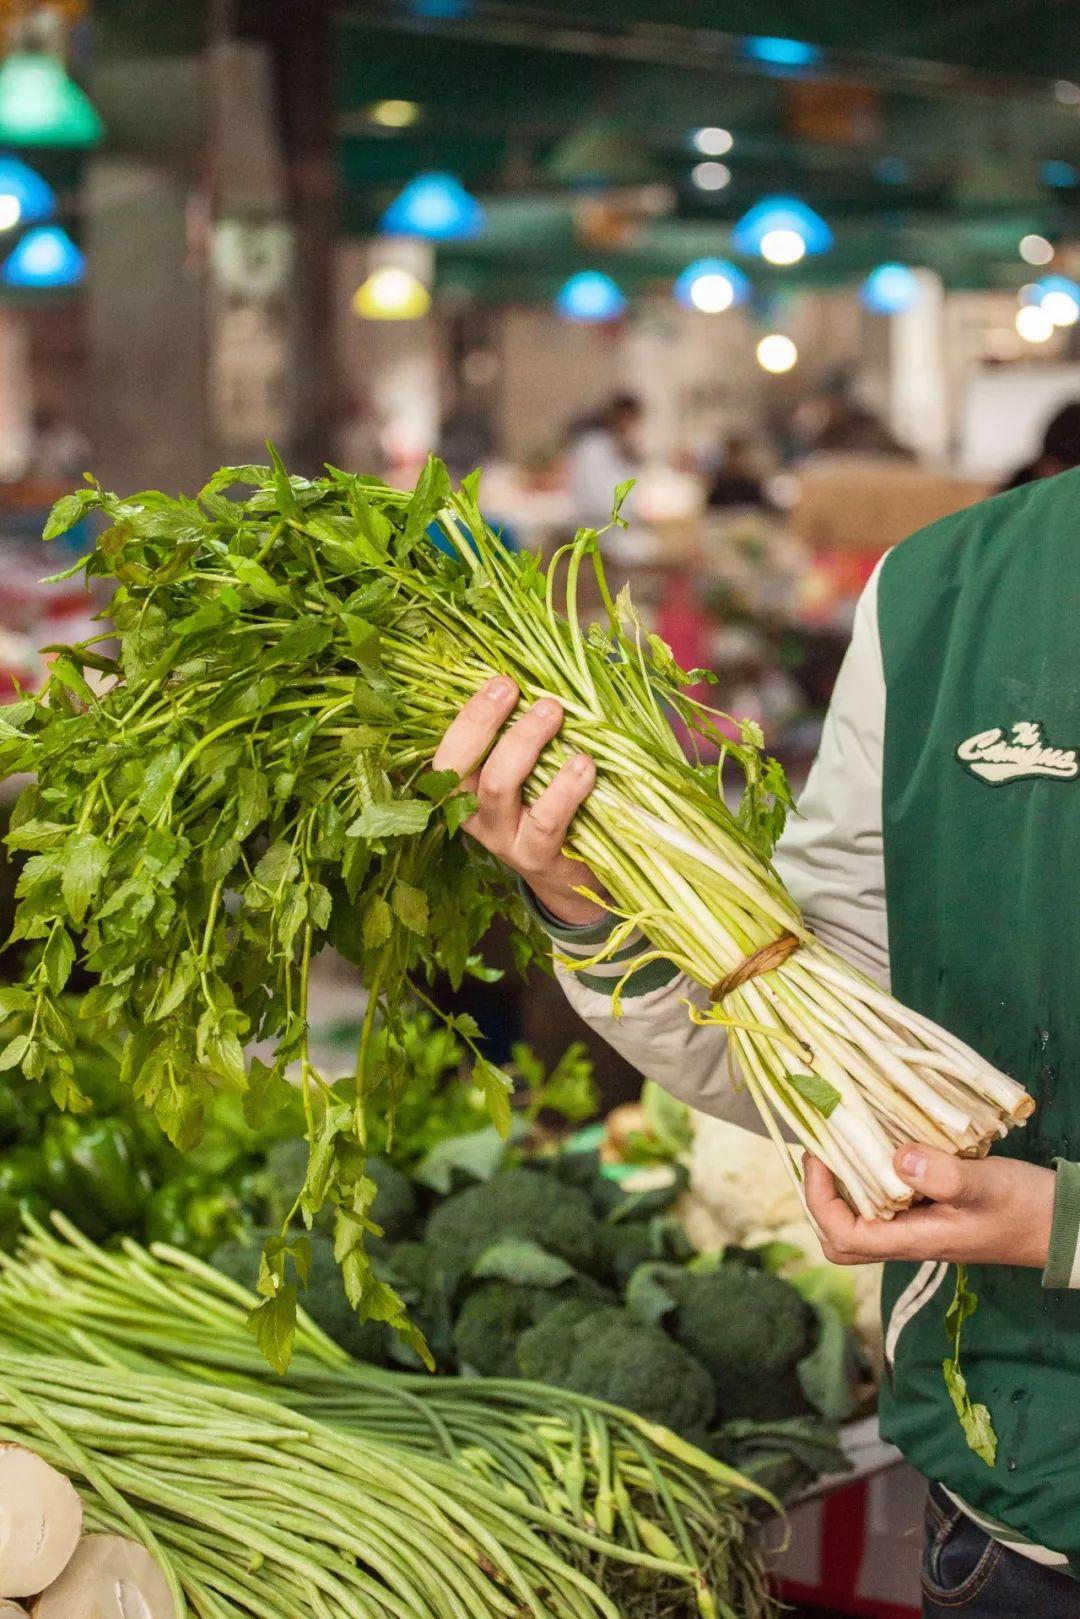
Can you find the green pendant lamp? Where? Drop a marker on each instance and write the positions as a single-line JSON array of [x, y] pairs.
[[41, 106]]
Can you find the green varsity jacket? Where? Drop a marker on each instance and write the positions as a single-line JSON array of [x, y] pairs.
[[938, 847]]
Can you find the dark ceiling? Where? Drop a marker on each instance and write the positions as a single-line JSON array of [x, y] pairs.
[[919, 130]]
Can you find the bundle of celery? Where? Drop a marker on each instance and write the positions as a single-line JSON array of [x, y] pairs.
[[603, 1512], [251, 778]]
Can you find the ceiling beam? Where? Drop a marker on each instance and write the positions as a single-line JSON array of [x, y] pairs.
[[538, 27]]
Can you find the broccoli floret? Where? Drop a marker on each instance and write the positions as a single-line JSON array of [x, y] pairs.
[[395, 1206], [604, 1352], [585, 1171], [749, 1330], [622, 1248], [324, 1297], [514, 1203], [409, 1268], [283, 1174], [239, 1259], [495, 1314]]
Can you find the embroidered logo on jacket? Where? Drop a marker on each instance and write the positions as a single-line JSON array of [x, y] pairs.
[[996, 757]]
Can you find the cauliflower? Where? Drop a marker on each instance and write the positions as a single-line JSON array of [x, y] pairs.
[[737, 1183]]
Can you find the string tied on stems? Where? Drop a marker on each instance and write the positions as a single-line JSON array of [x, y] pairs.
[[765, 960]]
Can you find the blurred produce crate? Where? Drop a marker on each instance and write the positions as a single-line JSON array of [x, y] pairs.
[[854, 1544], [869, 503]]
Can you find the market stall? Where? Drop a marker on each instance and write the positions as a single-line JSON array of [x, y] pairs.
[[487, 1131]]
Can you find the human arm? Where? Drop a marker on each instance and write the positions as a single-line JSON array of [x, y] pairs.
[[830, 860]]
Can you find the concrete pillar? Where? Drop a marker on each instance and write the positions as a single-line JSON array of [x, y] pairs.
[[15, 395], [919, 392], [145, 290], [251, 271], [210, 226]]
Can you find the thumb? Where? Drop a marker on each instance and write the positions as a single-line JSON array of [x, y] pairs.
[[935, 1174]]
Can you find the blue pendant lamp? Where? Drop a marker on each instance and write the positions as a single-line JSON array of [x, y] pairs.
[[43, 259], [711, 285], [890, 289], [25, 199], [775, 226], [590, 296], [437, 207], [773, 51]]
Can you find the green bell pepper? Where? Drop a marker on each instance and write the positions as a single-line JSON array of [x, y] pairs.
[[22, 1171], [196, 1212], [92, 1172]]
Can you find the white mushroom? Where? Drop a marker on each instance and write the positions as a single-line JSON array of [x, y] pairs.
[[11, 1610], [40, 1522], [108, 1578]]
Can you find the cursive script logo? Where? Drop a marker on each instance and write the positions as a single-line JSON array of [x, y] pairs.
[[996, 757]]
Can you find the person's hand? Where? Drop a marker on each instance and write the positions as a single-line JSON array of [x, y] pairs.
[[981, 1211], [528, 840]]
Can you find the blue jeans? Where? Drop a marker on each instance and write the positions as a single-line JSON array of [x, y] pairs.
[[965, 1572]]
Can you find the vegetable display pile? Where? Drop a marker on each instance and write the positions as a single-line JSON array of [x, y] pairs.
[[113, 1171], [483, 1239], [341, 1490], [251, 779], [548, 1272]]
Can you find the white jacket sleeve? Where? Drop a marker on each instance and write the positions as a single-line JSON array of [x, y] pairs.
[[830, 858]]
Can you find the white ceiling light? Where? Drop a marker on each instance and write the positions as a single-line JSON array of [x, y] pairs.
[[1036, 249], [710, 176], [713, 142], [712, 294], [776, 353], [782, 246], [1062, 308], [1034, 324]]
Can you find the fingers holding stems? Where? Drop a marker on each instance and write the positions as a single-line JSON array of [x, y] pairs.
[[529, 839], [975, 1211]]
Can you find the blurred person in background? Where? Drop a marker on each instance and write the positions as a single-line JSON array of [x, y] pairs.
[[736, 481], [1060, 450], [603, 451], [851, 429]]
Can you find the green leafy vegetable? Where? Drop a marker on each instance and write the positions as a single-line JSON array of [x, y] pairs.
[[822, 1096], [975, 1419], [256, 782]]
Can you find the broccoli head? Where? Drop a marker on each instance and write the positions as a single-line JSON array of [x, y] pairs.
[[622, 1248], [626, 1244], [604, 1352], [495, 1314], [748, 1329], [515, 1203], [323, 1299], [395, 1206]]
